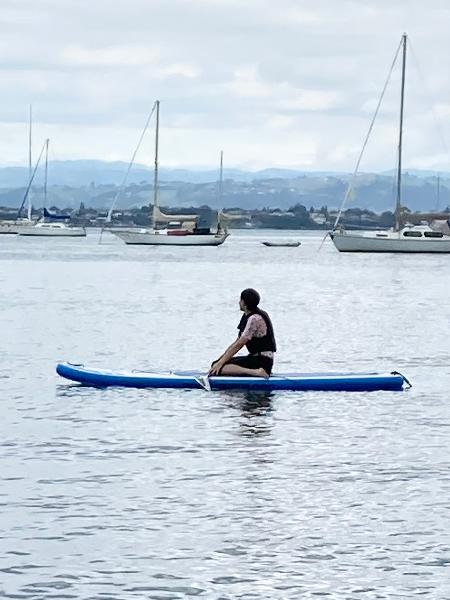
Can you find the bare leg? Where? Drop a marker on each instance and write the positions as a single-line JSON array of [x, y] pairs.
[[240, 371]]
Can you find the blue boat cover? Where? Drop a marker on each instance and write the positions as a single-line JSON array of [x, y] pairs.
[[50, 215], [361, 382]]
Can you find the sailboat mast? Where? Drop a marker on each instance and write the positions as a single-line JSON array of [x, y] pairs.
[[30, 158], [155, 180], [400, 137], [46, 172], [221, 178], [438, 192]]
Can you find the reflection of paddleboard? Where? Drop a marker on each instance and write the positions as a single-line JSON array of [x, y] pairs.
[[282, 244], [361, 382]]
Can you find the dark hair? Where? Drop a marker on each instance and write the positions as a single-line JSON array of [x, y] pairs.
[[251, 298]]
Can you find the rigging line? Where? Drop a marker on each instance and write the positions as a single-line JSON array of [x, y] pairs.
[[31, 180], [125, 178], [429, 97], [219, 188], [355, 172], [46, 172]]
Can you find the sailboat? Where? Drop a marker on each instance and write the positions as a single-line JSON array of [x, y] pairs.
[[179, 230], [50, 228], [12, 227], [409, 239]]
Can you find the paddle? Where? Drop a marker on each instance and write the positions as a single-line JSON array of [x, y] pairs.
[[204, 382]]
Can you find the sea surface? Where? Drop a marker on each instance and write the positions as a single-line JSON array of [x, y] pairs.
[[118, 494]]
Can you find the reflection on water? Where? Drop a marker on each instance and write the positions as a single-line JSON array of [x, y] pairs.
[[255, 408], [125, 494]]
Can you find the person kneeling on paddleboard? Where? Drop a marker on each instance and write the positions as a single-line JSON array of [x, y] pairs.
[[256, 332]]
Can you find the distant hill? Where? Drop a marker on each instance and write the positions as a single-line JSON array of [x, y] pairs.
[[95, 183], [79, 173]]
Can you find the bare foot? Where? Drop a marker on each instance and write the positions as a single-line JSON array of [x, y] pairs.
[[261, 373]]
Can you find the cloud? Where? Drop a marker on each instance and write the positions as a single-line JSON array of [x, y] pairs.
[[317, 100], [272, 83], [247, 83], [113, 56]]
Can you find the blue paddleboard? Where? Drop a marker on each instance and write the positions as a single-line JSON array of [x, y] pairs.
[[344, 382]]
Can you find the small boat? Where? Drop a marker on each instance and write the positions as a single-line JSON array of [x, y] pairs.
[[187, 233], [52, 228], [164, 237], [10, 227], [44, 229], [343, 382], [281, 244], [415, 239]]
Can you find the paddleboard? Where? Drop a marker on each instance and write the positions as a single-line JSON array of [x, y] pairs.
[[345, 382]]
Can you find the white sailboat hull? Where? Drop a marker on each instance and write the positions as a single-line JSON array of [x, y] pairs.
[[389, 242], [35, 231], [13, 227], [147, 237], [8, 229]]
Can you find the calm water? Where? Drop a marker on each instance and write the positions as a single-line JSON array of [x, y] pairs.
[[117, 494]]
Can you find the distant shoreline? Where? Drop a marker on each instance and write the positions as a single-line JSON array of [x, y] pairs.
[[296, 218]]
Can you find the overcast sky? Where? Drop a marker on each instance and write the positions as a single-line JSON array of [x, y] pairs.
[[290, 83]]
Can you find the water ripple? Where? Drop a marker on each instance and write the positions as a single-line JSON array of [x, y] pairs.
[[129, 494]]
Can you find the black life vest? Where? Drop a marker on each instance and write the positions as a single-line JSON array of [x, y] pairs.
[[265, 343]]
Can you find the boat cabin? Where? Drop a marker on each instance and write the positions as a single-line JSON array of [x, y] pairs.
[[46, 225]]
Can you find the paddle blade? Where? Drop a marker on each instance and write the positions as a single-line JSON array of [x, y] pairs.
[[204, 382]]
